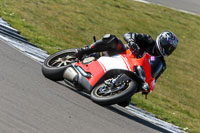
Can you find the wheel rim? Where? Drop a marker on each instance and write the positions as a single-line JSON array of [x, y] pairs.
[[62, 60], [111, 89]]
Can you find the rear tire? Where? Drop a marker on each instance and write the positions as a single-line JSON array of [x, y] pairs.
[[55, 65], [119, 97]]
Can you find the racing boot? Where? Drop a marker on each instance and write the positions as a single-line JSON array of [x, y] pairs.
[[95, 47]]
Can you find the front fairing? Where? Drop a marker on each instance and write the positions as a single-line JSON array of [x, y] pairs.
[[144, 61]]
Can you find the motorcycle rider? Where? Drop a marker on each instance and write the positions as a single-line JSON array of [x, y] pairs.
[[163, 46], [160, 48]]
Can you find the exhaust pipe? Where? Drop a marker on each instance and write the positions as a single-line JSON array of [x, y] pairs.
[[70, 74]]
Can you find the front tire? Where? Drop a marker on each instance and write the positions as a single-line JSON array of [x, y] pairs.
[[55, 65], [125, 102], [113, 98]]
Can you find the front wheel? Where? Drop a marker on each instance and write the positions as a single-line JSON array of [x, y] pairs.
[[55, 65], [107, 94]]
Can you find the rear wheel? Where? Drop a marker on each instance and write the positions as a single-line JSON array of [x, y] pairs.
[[108, 92], [55, 65]]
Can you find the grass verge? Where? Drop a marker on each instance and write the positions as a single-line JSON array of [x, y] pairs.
[[60, 24]]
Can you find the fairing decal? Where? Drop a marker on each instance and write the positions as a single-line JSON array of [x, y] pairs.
[[103, 67], [126, 62], [114, 62]]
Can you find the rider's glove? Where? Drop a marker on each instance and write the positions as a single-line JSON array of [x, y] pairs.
[[130, 36], [133, 45], [130, 39]]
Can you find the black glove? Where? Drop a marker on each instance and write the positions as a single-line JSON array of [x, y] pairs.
[[130, 36], [133, 45]]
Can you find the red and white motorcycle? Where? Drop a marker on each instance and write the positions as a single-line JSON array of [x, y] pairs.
[[108, 79]]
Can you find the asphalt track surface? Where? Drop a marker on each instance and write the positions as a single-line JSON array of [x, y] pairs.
[[30, 103], [186, 5]]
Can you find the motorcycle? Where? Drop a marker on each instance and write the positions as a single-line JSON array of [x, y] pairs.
[[109, 79]]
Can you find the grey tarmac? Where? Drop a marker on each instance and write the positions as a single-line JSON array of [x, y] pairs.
[[30, 103]]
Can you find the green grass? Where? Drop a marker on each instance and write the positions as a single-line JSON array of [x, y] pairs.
[[60, 24]]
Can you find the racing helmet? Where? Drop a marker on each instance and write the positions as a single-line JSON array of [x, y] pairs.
[[166, 43]]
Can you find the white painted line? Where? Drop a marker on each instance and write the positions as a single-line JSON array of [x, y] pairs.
[[143, 1], [152, 119], [180, 10], [185, 11]]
